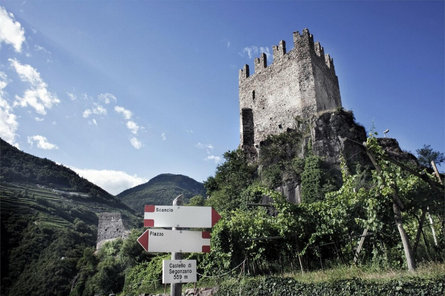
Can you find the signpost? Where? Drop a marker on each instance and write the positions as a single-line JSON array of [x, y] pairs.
[[178, 216], [178, 271], [180, 241], [176, 240]]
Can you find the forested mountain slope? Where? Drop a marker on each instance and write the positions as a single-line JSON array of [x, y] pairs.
[[48, 220], [161, 190]]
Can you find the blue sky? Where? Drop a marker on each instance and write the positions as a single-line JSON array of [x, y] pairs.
[[121, 91]]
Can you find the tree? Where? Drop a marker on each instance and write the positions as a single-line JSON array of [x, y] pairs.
[[231, 178], [197, 200], [426, 154]]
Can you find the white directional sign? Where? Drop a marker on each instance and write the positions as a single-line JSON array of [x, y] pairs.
[[179, 216], [178, 271], [179, 241]]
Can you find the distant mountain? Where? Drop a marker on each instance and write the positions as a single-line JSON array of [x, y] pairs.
[[48, 218], [161, 190]]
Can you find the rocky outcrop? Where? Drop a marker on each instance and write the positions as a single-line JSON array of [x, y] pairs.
[[336, 135], [392, 149]]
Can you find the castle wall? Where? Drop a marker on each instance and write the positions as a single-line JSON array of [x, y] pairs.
[[298, 83], [326, 82], [110, 227]]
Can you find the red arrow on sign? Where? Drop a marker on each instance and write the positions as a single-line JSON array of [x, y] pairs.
[[143, 240], [180, 241]]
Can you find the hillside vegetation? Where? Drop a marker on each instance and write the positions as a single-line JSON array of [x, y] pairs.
[[264, 245], [19, 167], [48, 220], [325, 228]]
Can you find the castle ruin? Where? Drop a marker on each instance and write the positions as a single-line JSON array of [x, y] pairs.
[[300, 83], [109, 228]]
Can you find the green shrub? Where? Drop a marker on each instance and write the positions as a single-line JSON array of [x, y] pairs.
[[144, 277], [288, 286]]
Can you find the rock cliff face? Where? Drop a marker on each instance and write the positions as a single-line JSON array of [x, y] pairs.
[[336, 137], [333, 136], [392, 148]]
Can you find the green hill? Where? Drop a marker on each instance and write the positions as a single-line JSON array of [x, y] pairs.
[[161, 190], [48, 220], [19, 167]]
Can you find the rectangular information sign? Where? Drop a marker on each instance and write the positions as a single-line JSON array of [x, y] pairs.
[[179, 216], [179, 241], [178, 271]]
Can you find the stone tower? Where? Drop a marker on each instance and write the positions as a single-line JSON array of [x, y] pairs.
[[299, 83], [110, 227]]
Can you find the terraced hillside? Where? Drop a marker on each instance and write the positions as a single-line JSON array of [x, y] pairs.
[[48, 222]]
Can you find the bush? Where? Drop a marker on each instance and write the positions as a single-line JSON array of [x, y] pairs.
[[288, 286], [144, 277]]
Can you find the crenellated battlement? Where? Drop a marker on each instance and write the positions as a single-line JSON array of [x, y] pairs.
[[319, 50], [260, 63], [298, 83], [305, 37], [244, 72], [279, 50], [303, 42]]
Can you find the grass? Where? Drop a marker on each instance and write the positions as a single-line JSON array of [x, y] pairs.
[[426, 270], [430, 270]]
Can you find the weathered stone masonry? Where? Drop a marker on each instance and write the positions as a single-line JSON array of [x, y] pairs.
[[110, 227], [299, 83]]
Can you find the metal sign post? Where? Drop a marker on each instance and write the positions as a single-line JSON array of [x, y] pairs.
[[176, 289], [177, 241]]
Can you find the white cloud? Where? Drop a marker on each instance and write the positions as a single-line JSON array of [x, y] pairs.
[[39, 119], [42, 49], [3, 81], [37, 96], [97, 110], [107, 98], [11, 31], [8, 120], [126, 113], [215, 158], [255, 51], [208, 147], [136, 143], [163, 137], [87, 113], [42, 142], [133, 127], [112, 181], [72, 96]]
